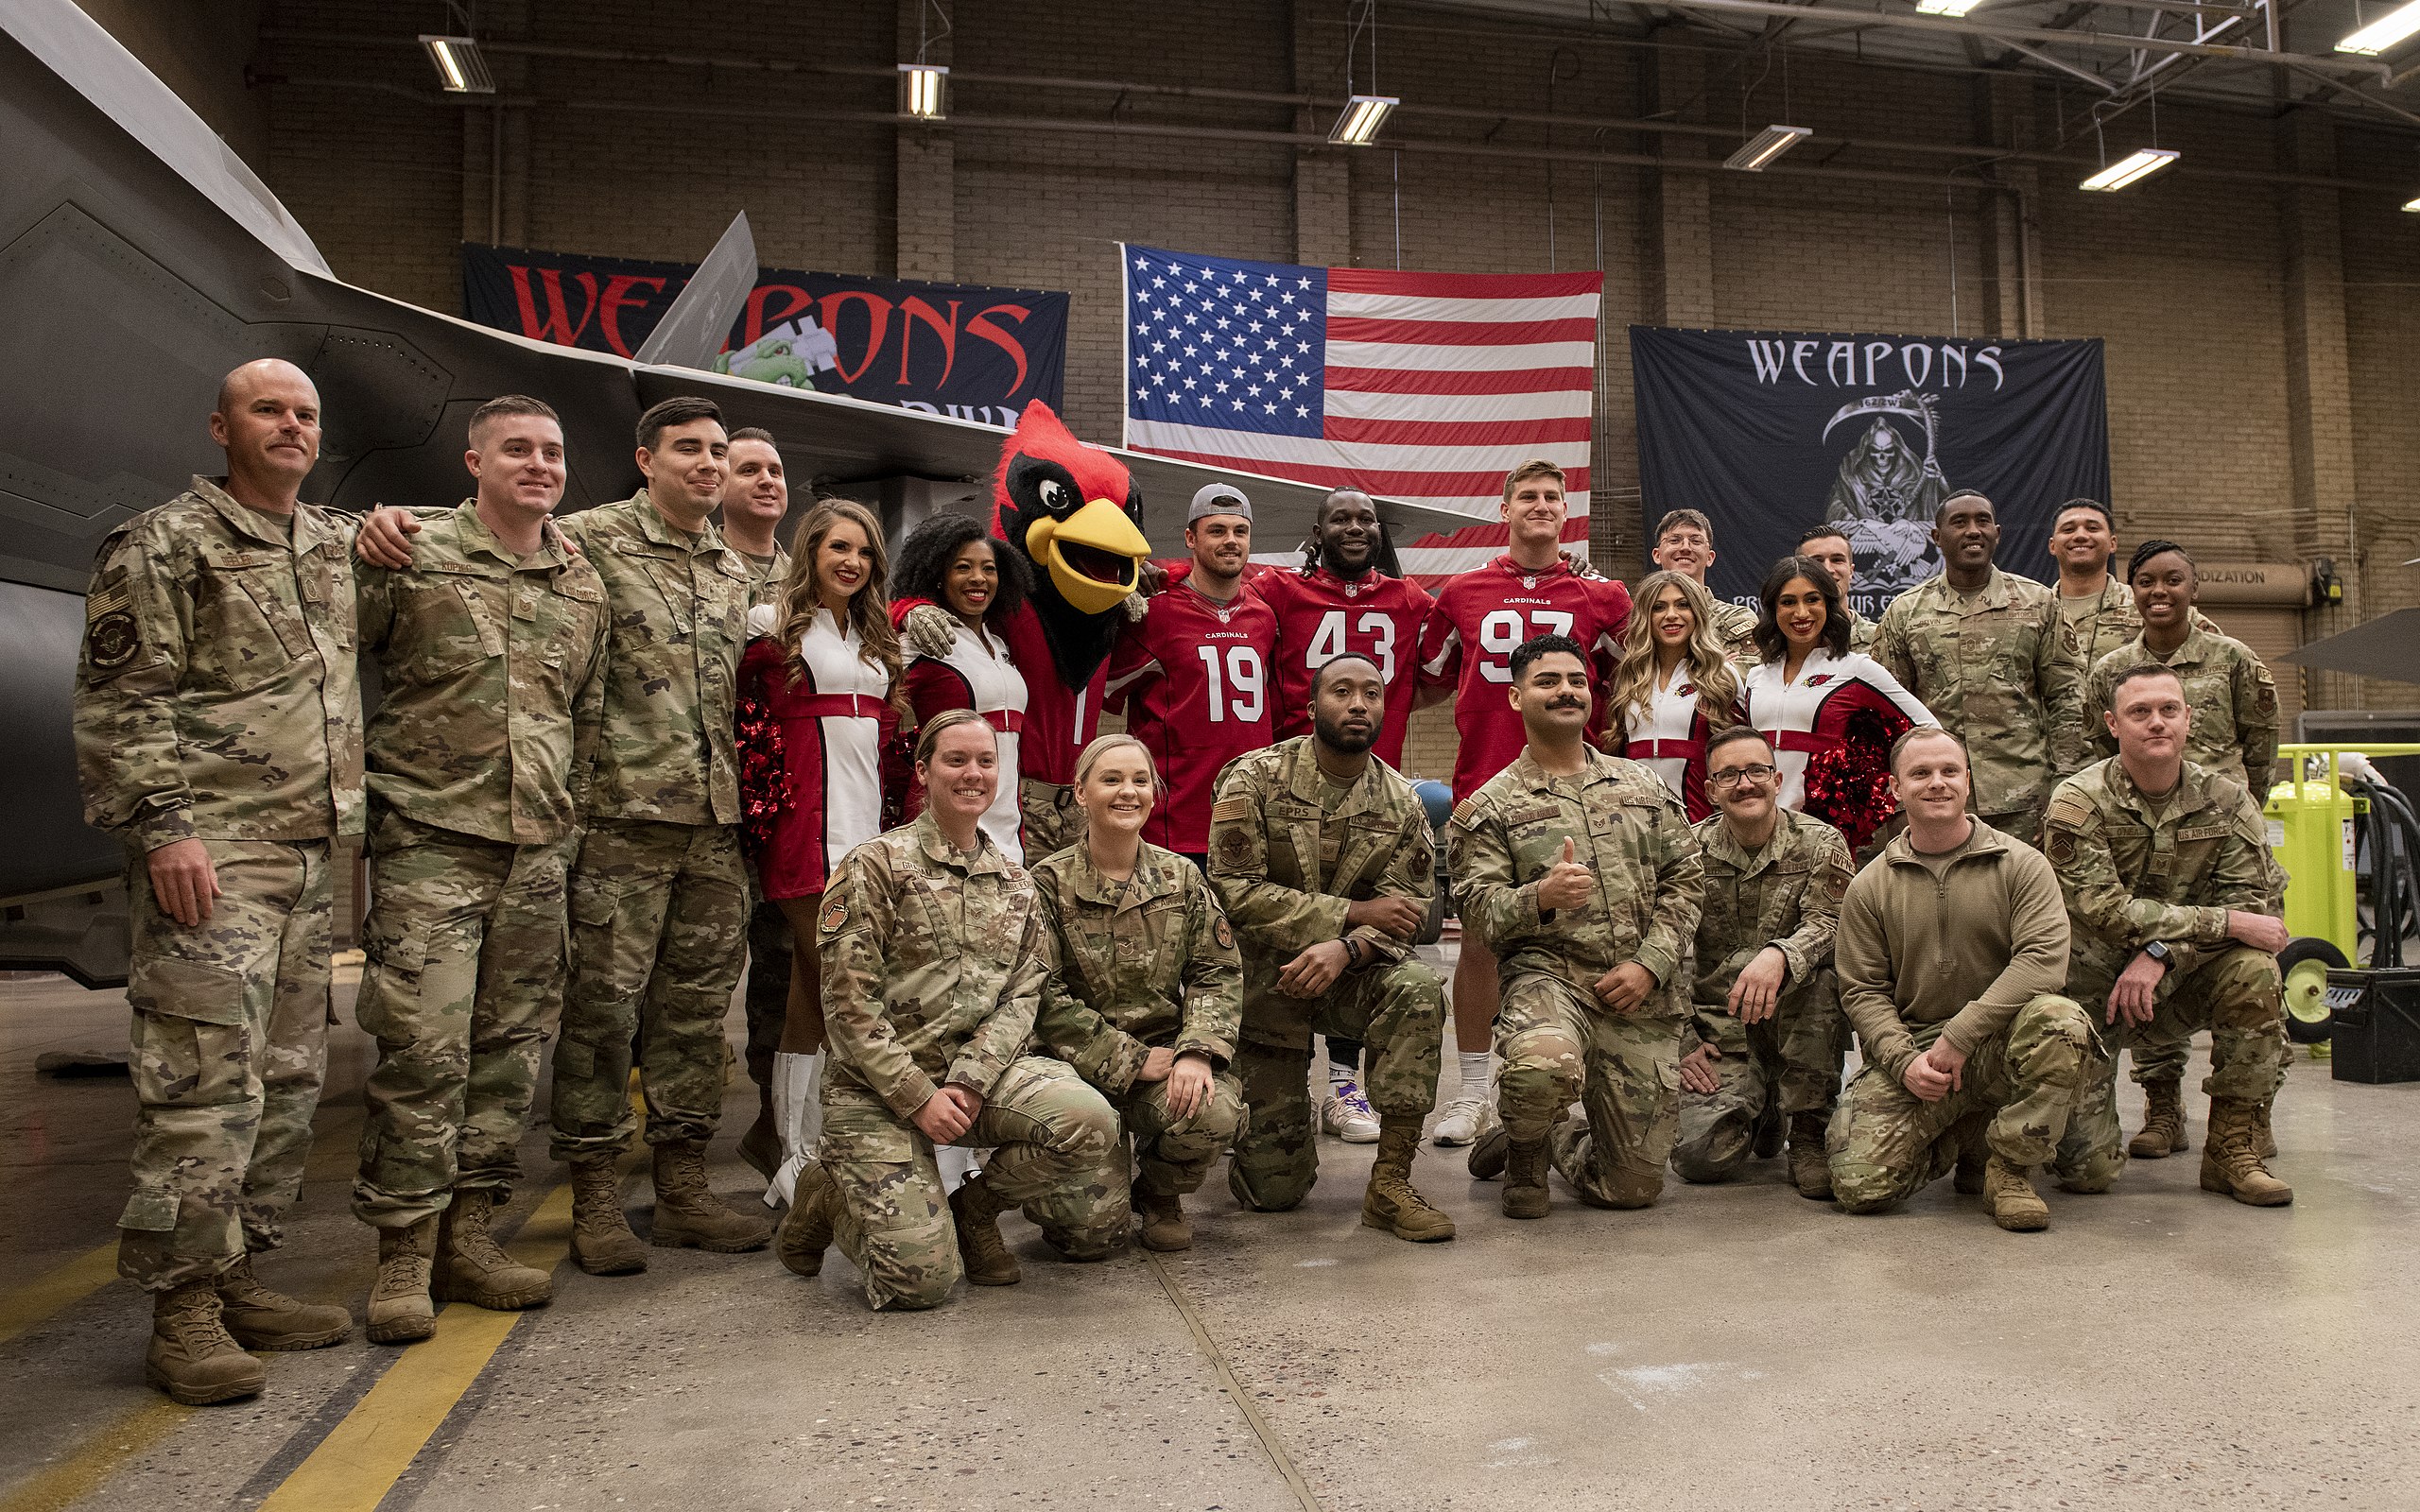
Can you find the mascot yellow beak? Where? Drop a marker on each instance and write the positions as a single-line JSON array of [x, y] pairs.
[[1093, 555]]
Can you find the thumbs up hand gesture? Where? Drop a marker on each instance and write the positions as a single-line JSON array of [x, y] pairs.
[[1568, 883]]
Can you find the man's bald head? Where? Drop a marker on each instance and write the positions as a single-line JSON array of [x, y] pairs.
[[260, 372], [267, 422]]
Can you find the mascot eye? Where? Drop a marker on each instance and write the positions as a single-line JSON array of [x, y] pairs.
[[1054, 496]]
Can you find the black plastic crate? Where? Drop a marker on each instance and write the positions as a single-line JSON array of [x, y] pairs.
[[2376, 1016]]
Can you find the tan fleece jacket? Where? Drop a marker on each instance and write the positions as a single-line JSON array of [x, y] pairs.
[[1971, 948]]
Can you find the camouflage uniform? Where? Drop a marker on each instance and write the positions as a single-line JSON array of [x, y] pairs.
[[933, 968], [1287, 865], [217, 700], [1993, 668], [658, 895], [2134, 872], [2089, 629], [1144, 964], [490, 671], [2233, 699], [1976, 954], [1558, 1040], [768, 1000], [1735, 625], [1785, 895], [1861, 631]]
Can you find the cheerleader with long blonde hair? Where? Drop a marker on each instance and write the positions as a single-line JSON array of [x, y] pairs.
[[1673, 687]]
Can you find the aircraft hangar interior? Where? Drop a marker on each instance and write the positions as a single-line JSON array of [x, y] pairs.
[[1252, 754]]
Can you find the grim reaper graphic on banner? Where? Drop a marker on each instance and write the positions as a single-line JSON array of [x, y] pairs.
[[1885, 495], [1773, 432]]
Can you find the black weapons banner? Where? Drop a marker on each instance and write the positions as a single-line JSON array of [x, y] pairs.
[[949, 349], [1770, 432]]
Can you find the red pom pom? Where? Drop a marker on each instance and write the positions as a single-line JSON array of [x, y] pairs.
[[763, 775], [1849, 786]]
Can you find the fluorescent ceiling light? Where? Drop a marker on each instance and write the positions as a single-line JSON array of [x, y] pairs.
[[2140, 164], [1945, 7], [1364, 114], [2383, 33], [1765, 145], [2412, 205], [461, 69], [920, 90]]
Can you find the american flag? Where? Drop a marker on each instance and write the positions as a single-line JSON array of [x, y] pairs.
[[1421, 387]]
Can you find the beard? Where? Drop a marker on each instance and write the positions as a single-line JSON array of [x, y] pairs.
[[1343, 742]]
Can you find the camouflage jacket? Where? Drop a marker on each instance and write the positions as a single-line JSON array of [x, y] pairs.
[[1630, 829], [2132, 875], [2232, 697], [492, 682], [1862, 632], [1142, 964], [217, 694], [766, 577], [1785, 895], [1993, 668], [678, 615], [1287, 872], [1735, 625], [933, 964]]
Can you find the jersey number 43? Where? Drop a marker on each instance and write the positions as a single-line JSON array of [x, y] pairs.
[[1328, 642]]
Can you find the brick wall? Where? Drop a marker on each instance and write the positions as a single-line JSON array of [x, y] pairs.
[[2206, 290]]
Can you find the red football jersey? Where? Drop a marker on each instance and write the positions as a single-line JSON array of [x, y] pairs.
[[1320, 615], [1481, 617], [1193, 678]]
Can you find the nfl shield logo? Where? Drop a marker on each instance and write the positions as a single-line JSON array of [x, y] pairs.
[[1530, 581]]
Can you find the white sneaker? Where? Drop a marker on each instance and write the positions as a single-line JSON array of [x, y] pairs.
[[1464, 1120], [1346, 1114]]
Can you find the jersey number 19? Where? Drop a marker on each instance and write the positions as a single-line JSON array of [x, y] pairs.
[[1237, 694]]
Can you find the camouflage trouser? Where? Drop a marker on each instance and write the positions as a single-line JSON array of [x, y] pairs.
[[1397, 1013], [769, 984], [658, 931], [463, 988], [1887, 1143], [1052, 821], [1559, 1049], [1049, 1133], [1791, 1061], [230, 1042], [2237, 995]]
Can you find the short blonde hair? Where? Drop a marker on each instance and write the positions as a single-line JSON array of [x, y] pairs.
[[1534, 468], [1102, 746], [948, 719]]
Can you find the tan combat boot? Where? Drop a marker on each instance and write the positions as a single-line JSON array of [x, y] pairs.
[[601, 1241], [688, 1215], [1525, 1179], [1488, 1157], [2231, 1156], [1974, 1153], [2264, 1135], [259, 1319], [472, 1268], [806, 1232], [1810, 1168], [1164, 1228], [2162, 1132], [2008, 1192], [1390, 1202], [191, 1356], [401, 1310], [761, 1147], [980, 1249]]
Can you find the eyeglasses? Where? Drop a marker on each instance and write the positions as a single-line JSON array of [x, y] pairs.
[[1733, 776]]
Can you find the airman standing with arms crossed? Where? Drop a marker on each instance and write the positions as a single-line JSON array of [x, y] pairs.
[[2175, 900], [218, 737], [1952, 953], [1324, 860], [657, 893], [491, 653], [1986, 651], [1594, 946], [1764, 1043]]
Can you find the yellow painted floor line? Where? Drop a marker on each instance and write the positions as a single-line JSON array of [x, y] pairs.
[[57, 1289], [81, 1474], [361, 1459]]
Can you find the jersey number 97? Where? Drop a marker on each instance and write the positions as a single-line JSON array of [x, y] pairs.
[[1501, 633]]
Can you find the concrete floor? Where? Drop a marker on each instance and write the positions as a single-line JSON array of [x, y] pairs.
[[1734, 1347]]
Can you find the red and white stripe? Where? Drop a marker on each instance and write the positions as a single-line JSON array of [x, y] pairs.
[[1437, 384]]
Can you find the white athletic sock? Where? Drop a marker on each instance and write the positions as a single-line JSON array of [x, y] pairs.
[[1474, 1064], [1337, 1075]]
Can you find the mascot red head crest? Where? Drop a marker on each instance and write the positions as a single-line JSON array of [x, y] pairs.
[[1072, 511]]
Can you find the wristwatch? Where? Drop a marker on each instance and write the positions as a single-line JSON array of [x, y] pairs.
[[2158, 951]]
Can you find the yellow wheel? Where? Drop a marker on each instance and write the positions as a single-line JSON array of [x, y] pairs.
[[2305, 962]]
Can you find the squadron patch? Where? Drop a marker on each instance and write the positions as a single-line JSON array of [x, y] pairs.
[[836, 914], [1235, 847], [113, 639], [1226, 937]]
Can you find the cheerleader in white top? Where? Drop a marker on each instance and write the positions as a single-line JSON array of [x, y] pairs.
[[954, 585], [1673, 687], [1831, 713], [815, 712]]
